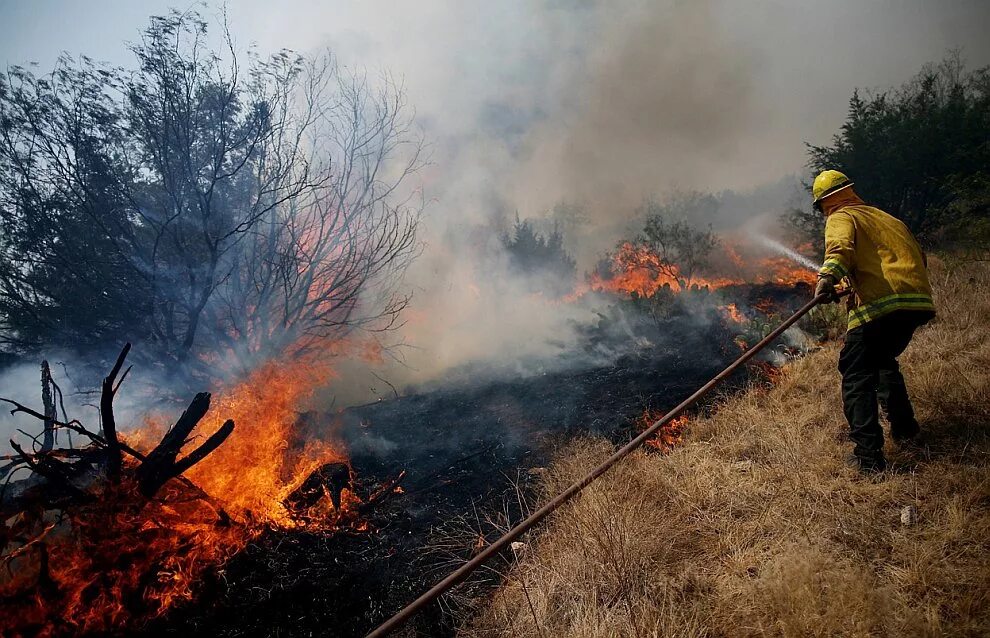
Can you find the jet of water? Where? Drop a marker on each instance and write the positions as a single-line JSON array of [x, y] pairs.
[[778, 247]]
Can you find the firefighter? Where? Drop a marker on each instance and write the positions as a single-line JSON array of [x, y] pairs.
[[880, 260]]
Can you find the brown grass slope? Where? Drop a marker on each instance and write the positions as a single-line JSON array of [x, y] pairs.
[[755, 526]]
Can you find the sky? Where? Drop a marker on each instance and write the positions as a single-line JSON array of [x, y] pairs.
[[526, 103], [709, 94]]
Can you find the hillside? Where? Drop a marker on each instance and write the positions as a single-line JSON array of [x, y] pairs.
[[755, 526]]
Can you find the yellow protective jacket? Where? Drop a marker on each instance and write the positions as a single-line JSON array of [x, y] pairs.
[[881, 258]]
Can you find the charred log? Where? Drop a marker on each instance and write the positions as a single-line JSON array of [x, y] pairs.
[[329, 479]]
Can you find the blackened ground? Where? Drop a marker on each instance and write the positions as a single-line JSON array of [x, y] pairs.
[[465, 452]]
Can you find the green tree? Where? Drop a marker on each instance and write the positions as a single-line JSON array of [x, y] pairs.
[[69, 235], [682, 250], [919, 152], [542, 260]]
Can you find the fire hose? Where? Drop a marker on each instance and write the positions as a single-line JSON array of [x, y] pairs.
[[467, 568]]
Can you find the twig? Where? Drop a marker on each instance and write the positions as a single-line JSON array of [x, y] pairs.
[[121, 382], [28, 545], [386, 492], [73, 425], [385, 381], [51, 471]]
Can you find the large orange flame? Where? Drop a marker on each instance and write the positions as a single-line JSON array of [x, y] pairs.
[[123, 558], [262, 462]]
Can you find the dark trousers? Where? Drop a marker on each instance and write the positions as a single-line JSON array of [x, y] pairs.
[[868, 364]]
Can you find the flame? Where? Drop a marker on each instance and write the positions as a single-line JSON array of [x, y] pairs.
[[781, 270], [116, 558], [764, 306], [733, 313], [124, 558], [667, 437], [635, 269], [260, 464], [638, 269], [767, 371]]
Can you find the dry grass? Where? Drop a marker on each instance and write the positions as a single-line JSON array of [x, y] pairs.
[[755, 526]]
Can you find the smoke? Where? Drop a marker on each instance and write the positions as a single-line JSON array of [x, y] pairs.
[[659, 99], [596, 103], [587, 102], [603, 104], [145, 389]]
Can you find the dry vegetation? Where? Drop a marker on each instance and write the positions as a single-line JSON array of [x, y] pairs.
[[755, 526]]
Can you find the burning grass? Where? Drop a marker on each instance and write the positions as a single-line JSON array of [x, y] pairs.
[[755, 526], [635, 269], [669, 436]]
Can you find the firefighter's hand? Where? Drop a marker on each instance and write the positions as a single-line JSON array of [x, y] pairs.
[[826, 285]]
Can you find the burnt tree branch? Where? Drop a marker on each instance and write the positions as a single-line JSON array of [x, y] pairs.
[[107, 418], [200, 453], [160, 465], [49, 402], [56, 471], [99, 441]]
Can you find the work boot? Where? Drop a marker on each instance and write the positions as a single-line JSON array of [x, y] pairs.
[[908, 435], [873, 465], [914, 442]]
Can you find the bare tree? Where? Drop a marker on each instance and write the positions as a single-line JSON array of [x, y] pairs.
[[679, 250], [329, 262], [213, 207]]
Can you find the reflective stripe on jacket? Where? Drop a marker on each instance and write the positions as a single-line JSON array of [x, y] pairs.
[[881, 258]]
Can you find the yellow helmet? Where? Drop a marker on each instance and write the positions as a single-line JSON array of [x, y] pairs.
[[828, 182]]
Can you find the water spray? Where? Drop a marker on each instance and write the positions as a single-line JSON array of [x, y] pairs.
[[778, 247]]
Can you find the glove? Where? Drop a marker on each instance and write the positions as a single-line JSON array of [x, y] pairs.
[[826, 285]]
